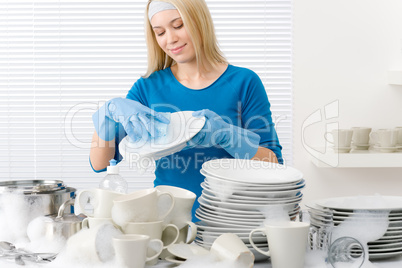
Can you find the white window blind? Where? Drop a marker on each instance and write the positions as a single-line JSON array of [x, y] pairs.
[[59, 59]]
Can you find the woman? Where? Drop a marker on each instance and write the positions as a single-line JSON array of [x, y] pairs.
[[187, 71]]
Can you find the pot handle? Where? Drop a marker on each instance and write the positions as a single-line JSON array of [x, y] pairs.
[[63, 206]]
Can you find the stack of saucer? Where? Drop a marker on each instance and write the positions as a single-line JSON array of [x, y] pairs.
[[239, 195]]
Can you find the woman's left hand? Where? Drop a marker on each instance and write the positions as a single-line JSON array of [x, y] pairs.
[[239, 142]]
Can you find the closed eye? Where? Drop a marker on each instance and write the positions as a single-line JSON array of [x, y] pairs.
[[178, 27]]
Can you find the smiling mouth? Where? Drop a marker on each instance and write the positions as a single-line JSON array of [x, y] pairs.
[[178, 49]]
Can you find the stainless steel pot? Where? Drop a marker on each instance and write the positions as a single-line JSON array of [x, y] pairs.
[[21, 201], [45, 196]]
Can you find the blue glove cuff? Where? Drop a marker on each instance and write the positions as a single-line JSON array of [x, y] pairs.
[[104, 126], [243, 144]]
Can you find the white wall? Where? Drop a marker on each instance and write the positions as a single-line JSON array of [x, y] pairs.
[[342, 52]]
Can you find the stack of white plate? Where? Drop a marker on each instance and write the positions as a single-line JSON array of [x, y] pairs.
[[336, 210], [239, 195]]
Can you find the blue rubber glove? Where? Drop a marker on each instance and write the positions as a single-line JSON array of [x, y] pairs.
[[238, 142], [138, 120]]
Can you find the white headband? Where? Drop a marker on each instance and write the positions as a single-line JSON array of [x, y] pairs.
[[158, 6]]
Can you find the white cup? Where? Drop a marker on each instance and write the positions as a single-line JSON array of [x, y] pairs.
[[229, 246], [184, 201], [287, 243], [186, 235], [93, 245], [139, 206], [168, 234], [341, 138], [361, 135], [131, 250], [386, 138], [399, 139], [91, 222], [100, 200]]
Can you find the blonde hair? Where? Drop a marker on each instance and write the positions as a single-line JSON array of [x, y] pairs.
[[198, 22]]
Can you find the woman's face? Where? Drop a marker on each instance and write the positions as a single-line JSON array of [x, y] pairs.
[[172, 36]]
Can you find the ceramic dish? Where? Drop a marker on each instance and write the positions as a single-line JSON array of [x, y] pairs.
[[219, 184], [174, 259], [246, 207], [182, 127], [252, 193], [251, 171], [219, 195], [187, 251], [362, 203], [235, 200]]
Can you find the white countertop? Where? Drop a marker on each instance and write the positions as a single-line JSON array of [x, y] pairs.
[[387, 263]]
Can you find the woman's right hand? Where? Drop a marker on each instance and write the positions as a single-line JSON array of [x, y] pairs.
[[138, 120]]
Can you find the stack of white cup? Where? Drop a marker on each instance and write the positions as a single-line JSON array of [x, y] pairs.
[[387, 140], [360, 139], [140, 221]]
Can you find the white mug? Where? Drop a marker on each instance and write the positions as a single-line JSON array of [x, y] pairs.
[[287, 243], [168, 234], [139, 206], [361, 135], [131, 250], [229, 246], [100, 199], [184, 201], [399, 139], [386, 138], [341, 138]]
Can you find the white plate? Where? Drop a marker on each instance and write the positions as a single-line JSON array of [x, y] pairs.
[[362, 203], [237, 213], [230, 213], [392, 214], [253, 202], [250, 207], [228, 186], [173, 259], [187, 251], [260, 194], [221, 195], [206, 213], [227, 223], [378, 256], [183, 126], [335, 217], [251, 171]]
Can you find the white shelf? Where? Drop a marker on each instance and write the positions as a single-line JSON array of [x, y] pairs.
[[395, 77], [365, 159]]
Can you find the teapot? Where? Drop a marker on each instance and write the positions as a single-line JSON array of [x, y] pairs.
[[63, 225]]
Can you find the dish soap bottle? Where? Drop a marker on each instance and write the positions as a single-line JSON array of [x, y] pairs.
[[113, 181]]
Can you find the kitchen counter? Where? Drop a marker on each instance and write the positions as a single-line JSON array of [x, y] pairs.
[[387, 263]]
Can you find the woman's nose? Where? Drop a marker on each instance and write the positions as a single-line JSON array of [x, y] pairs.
[[171, 37]]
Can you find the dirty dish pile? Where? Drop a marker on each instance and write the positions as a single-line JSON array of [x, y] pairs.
[[334, 211], [239, 195]]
